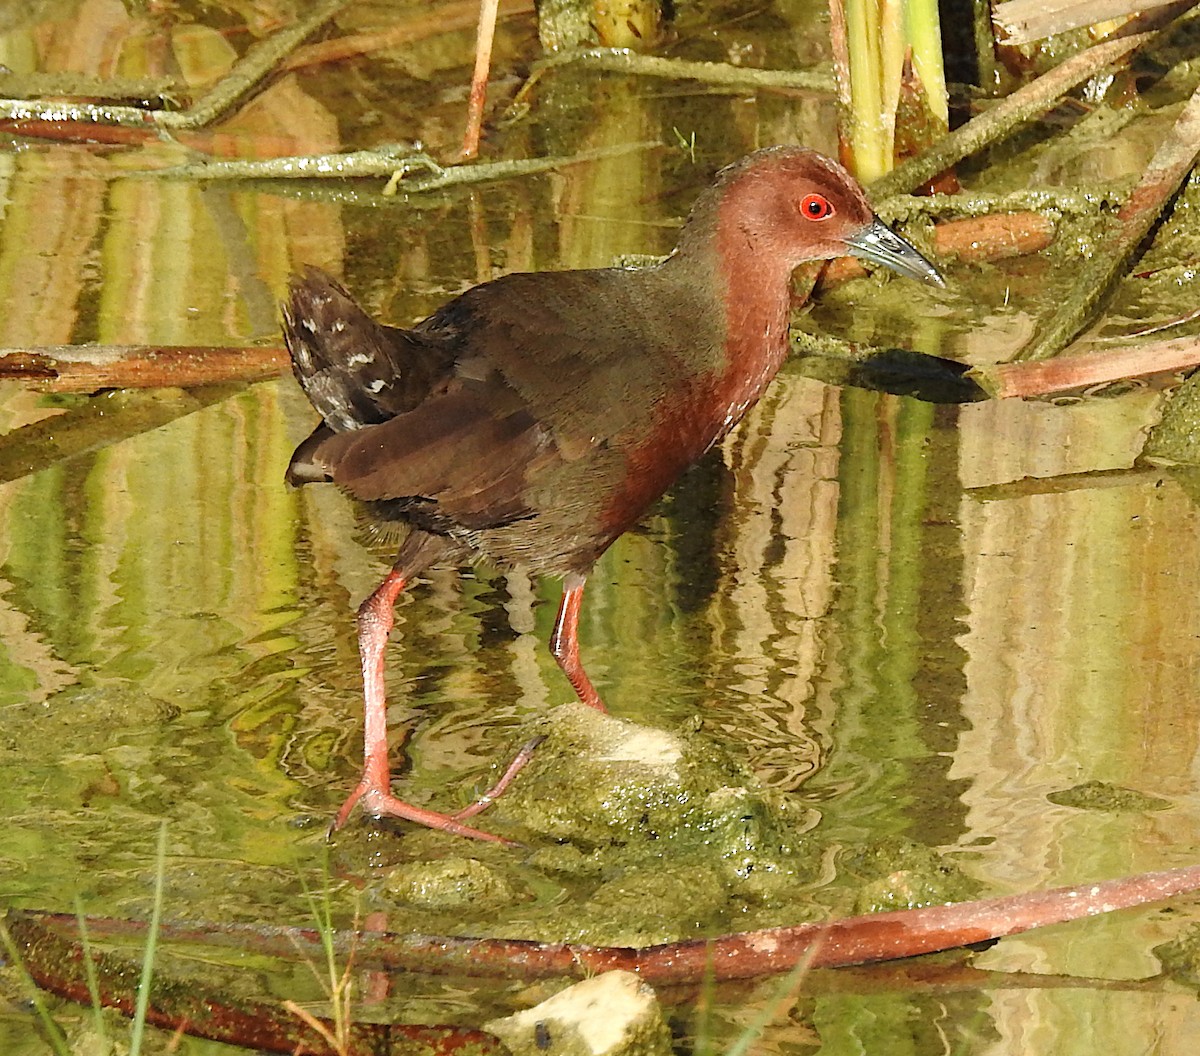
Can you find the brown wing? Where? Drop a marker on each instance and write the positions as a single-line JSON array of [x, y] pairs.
[[464, 457], [590, 352]]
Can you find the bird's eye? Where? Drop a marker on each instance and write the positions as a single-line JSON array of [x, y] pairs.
[[816, 207]]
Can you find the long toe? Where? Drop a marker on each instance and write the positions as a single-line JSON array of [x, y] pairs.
[[380, 804], [343, 814], [492, 794]]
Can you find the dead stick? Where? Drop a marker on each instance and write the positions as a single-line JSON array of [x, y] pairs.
[[1022, 21], [479, 78], [1097, 276], [1006, 380], [1023, 105], [444, 18], [745, 955], [89, 368], [246, 75]]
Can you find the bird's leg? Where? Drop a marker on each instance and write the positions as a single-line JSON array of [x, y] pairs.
[[564, 642], [375, 618]]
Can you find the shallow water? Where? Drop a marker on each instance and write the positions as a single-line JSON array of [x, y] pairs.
[[859, 614]]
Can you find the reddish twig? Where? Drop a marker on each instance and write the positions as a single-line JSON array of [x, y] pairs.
[[444, 18], [58, 965], [1040, 378], [479, 78], [994, 237], [89, 368], [853, 940]]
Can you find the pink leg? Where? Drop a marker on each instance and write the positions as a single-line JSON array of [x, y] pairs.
[[375, 618], [564, 642]]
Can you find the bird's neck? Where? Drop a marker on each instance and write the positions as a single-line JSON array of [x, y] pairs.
[[753, 292], [757, 312]]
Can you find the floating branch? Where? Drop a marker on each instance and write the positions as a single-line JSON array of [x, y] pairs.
[[58, 964], [1085, 369], [245, 77], [398, 163], [89, 368]]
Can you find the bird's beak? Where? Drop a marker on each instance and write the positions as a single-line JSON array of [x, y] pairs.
[[879, 244]]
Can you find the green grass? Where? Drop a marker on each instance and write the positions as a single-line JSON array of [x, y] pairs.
[[54, 1033]]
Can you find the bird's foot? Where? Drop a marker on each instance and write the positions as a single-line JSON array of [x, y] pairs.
[[382, 804], [492, 794]]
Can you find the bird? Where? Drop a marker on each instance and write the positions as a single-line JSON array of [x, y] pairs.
[[534, 418]]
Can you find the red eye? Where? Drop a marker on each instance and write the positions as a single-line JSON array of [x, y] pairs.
[[816, 207]]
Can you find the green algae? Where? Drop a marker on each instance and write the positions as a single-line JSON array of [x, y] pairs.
[[634, 836], [599, 782], [448, 884], [1180, 957], [1176, 438], [658, 835], [1107, 798], [899, 874]]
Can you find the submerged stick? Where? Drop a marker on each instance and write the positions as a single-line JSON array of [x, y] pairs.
[[417, 24], [56, 964], [1068, 483], [622, 60], [863, 939], [97, 423]]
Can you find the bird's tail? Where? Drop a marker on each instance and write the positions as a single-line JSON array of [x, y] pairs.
[[340, 355]]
